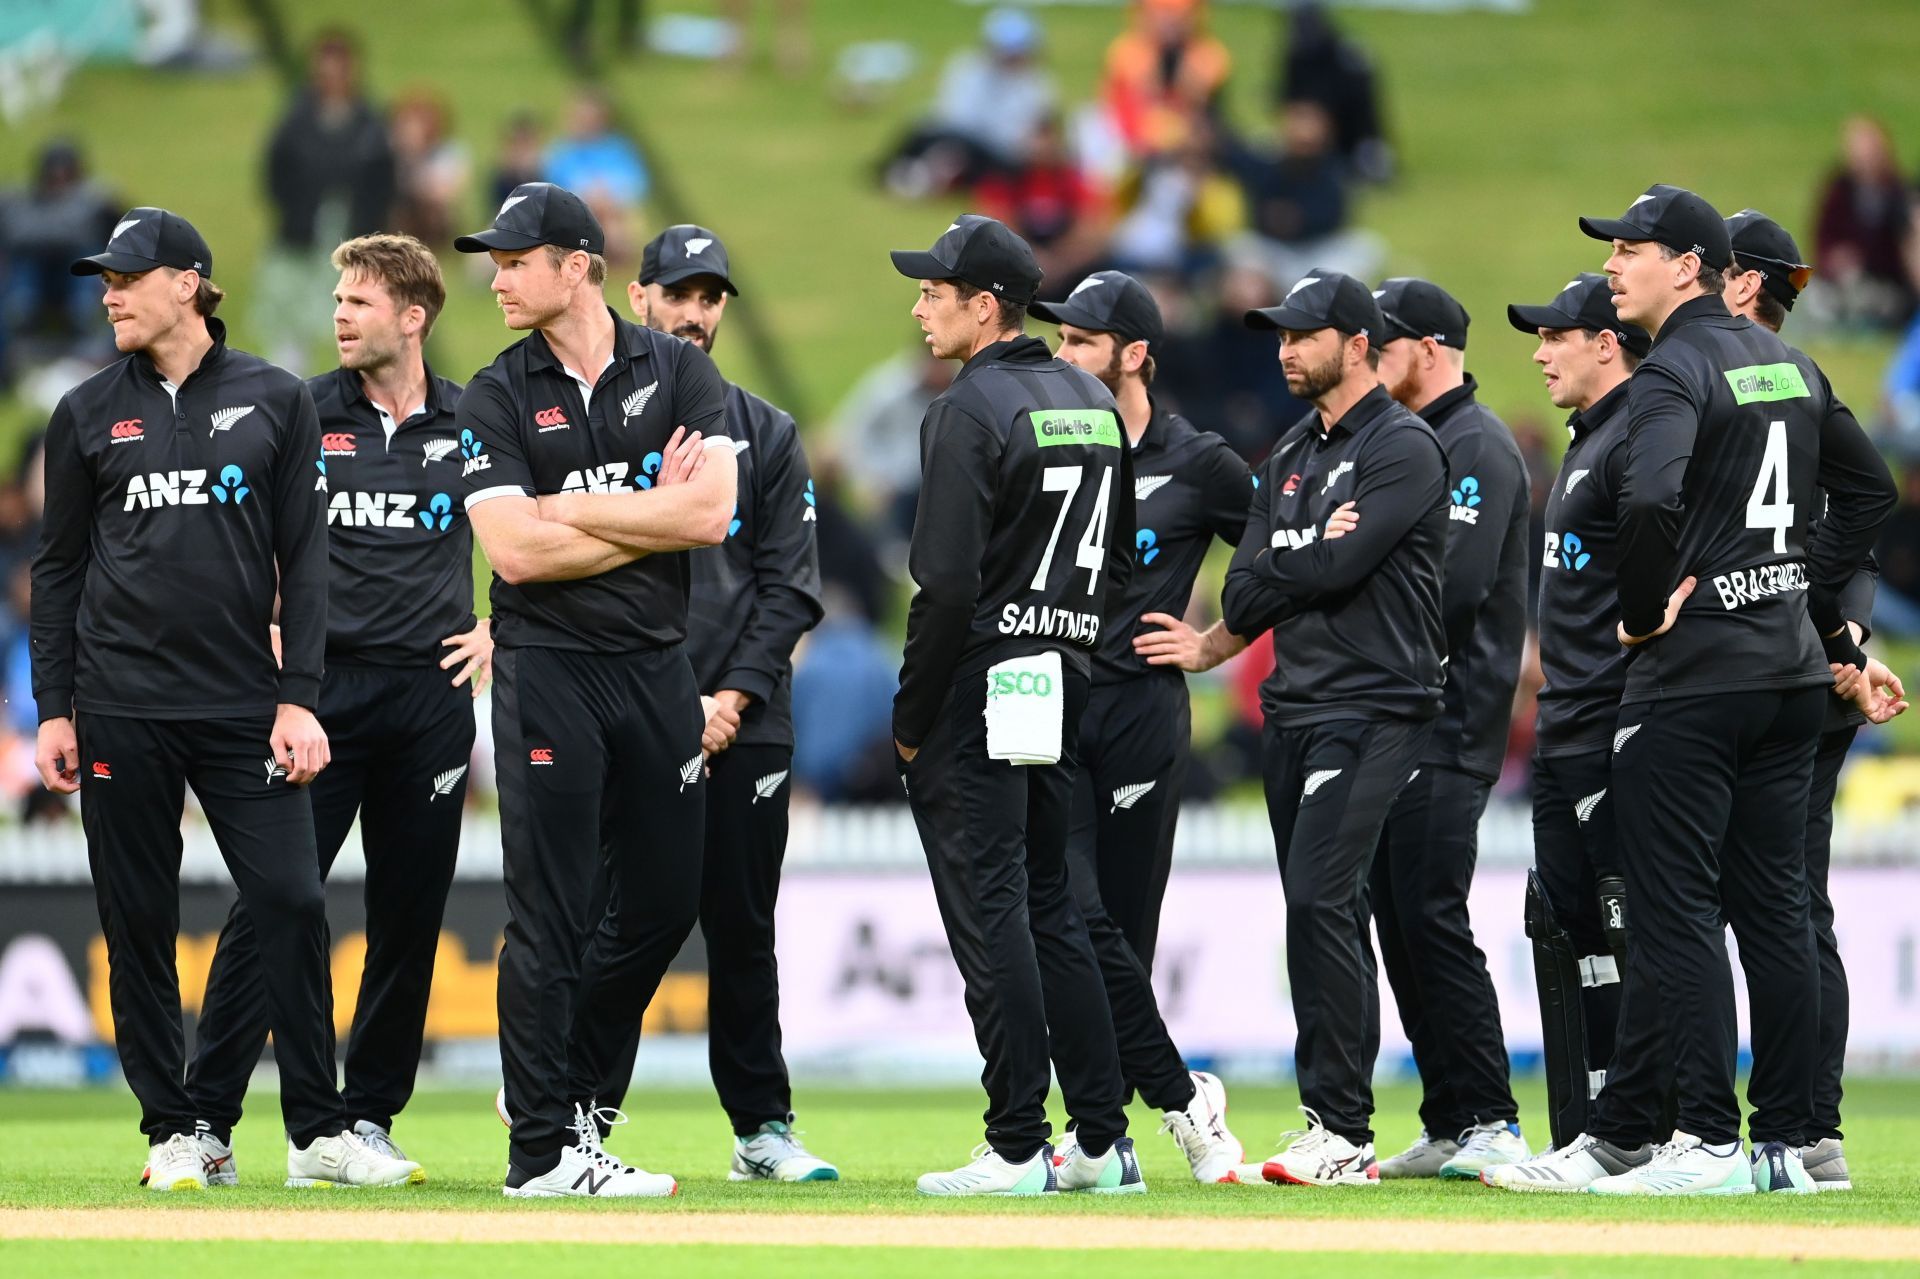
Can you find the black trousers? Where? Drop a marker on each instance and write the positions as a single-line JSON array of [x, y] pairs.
[[598, 759], [136, 773], [1831, 1054], [1329, 787], [739, 887], [1712, 814], [401, 739], [1626, 1035], [1422, 872], [1134, 740], [996, 842]]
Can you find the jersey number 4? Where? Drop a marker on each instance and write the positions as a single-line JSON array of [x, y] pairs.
[[1090, 554], [1768, 506]]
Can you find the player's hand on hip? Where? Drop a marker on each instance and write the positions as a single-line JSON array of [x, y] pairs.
[[1343, 521], [1674, 601], [299, 743], [57, 755], [683, 458], [1176, 645], [473, 654]]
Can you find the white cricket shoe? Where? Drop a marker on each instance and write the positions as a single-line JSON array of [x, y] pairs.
[[1115, 1173], [1485, 1146], [216, 1157], [347, 1160], [989, 1174], [1212, 1151], [380, 1141], [775, 1153], [1424, 1158], [586, 1170], [1585, 1160], [1826, 1162], [175, 1164], [1318, 1157], [1781, 1169], [1682, 1167]]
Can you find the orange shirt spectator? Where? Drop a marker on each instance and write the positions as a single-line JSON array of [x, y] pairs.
[[1163, 72]]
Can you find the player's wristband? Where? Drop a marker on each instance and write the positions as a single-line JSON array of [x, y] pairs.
[[1840, 648]]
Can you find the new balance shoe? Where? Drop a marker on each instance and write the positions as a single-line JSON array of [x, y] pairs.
[[1683, 1167], [175, 1164], [1424, 1158], [989, 1174], [1826, 1162], [347, 1160], [1212, 1151], [776, 1154], [1117, 1172], [1585, 1160], [587, 1170], [1318, 1157], [380, 1141], [1778, 1169], [216, 1156], [1485, 1146]]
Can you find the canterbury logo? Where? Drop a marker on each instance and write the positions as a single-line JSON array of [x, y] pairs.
[[540, 755], [636, 404], [1146, 486], [337, 444], [1620, 738], [1128, 796], [690, 771], [436, 451], [1316, 780], [1584, 809], [1573, 480], [445, 782], [555, 416], [225, 418], [127, 430], [766, 786]]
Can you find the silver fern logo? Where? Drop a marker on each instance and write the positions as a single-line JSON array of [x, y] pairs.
[[1128, 796], [1316, 780], [444, 783], [1624, 735], [766, 786], [636, 404], [225, 418], [436, 451], [690, 771], [1584, 809], [275, 769], [740, 446], [1573, 482], [1146, 486]]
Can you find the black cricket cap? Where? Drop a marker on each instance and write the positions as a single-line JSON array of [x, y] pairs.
[[1108, 302], [980, 251], [145, 238], [539, 213], [1416, 308], [1673, 216], [1586, 303], [1324, 300], [683, 252], [1763, 245]]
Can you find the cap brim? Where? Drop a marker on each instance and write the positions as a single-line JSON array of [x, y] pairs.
[[494, 238], [1284, 317], [1067, 313], [125, 263], [679, 274], [1614, 229], [918, 264], [1531, 319]]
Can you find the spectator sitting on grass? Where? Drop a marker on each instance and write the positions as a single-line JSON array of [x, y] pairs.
[[603, 167], [1048, 200], [1297, 203], [990, 101], [58, 218], [432, 169], [1860, 236], [1321, 65]]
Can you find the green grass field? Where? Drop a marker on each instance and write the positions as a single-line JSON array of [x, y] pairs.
[[882, 1140]]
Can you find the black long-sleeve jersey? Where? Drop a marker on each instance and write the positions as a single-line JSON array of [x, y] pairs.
[[528, 428], [1189, 487], [758, 592], [1483, 593], [172, 519], [1580, 655], [1356, 621], [1020, 542], [399, 549], [1730, 432]]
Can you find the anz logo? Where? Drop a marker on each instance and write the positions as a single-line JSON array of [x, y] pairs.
[[1294, 539], [186, 488], [374, 510], [649, 471], [611, 478], [1147, 543], [1465, 499], [1565, 550]]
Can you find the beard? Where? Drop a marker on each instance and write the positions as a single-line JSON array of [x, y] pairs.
[[702, 338], [1316, 380], [1111, 375], [369, 354]]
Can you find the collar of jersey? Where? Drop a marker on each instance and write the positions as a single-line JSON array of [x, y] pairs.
[[629, 343], [1448, 401], [1019, 350], [216, 329], [1705, 309], [1597, 414], [1367, 410], [435, 406]]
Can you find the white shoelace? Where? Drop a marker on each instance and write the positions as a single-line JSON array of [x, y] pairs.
[[1476, 1141], [586, 1129], [1305, 1140], [181, 1148], [379, 1143], [1670, 1154]]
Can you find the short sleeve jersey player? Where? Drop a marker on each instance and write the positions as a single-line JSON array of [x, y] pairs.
[[526, 428], [1020, 543]]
